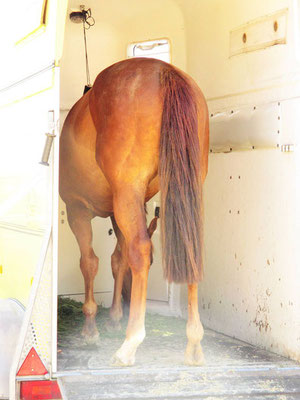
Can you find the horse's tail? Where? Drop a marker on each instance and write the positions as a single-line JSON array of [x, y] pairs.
[[180, 181]]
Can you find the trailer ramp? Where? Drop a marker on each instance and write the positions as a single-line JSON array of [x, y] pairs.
[[179, 383]]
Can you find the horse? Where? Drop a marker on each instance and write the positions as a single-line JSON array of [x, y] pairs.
[[123, 279], [141, 128]]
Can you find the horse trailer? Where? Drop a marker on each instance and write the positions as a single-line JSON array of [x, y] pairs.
[[245, 57]]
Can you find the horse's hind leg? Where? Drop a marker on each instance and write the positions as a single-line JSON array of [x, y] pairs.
[[131, 219], [194, 329], [122, 278], [79, 219]]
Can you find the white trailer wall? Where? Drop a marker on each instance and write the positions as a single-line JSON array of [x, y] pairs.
[[251, 288]]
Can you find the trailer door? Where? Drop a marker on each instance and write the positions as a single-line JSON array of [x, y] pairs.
[[29, 112]]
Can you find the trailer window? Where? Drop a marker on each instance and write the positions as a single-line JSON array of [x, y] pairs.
[[158, 48], [32, 19]]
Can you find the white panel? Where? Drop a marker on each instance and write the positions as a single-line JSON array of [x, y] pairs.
[[290, 121], [207, 27], [245, 128], [37, 51], [35, 84], [25, 185], [259, 34], [252, 228]]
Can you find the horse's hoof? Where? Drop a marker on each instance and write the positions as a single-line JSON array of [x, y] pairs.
[[194, 358], [194, 362], [119, 361], [112, 326], [91, 339]]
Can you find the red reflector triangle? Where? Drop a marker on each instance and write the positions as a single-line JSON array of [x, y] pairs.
[[32, 365]]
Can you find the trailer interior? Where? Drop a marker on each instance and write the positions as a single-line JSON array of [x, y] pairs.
[[245, 57], [241, 55]]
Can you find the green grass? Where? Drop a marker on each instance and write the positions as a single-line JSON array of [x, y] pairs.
[[71, 320]]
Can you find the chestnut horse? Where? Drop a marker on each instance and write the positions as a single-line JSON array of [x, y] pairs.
[[143, 127]]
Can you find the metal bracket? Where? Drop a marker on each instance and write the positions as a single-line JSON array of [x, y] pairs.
[[49, 140], [287, 148]]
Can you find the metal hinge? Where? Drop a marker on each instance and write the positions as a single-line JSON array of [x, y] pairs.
[[50, 135]]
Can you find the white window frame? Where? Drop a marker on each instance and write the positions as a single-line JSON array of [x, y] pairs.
[[154, 48]]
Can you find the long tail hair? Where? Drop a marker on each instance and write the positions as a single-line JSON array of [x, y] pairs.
[[180, 181]]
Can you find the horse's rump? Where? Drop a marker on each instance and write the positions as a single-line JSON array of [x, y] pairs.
[[150, 124]]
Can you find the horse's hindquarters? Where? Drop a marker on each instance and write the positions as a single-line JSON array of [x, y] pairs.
[[81, 179]]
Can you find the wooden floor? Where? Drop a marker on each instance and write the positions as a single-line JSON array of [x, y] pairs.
[[233, 369]]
